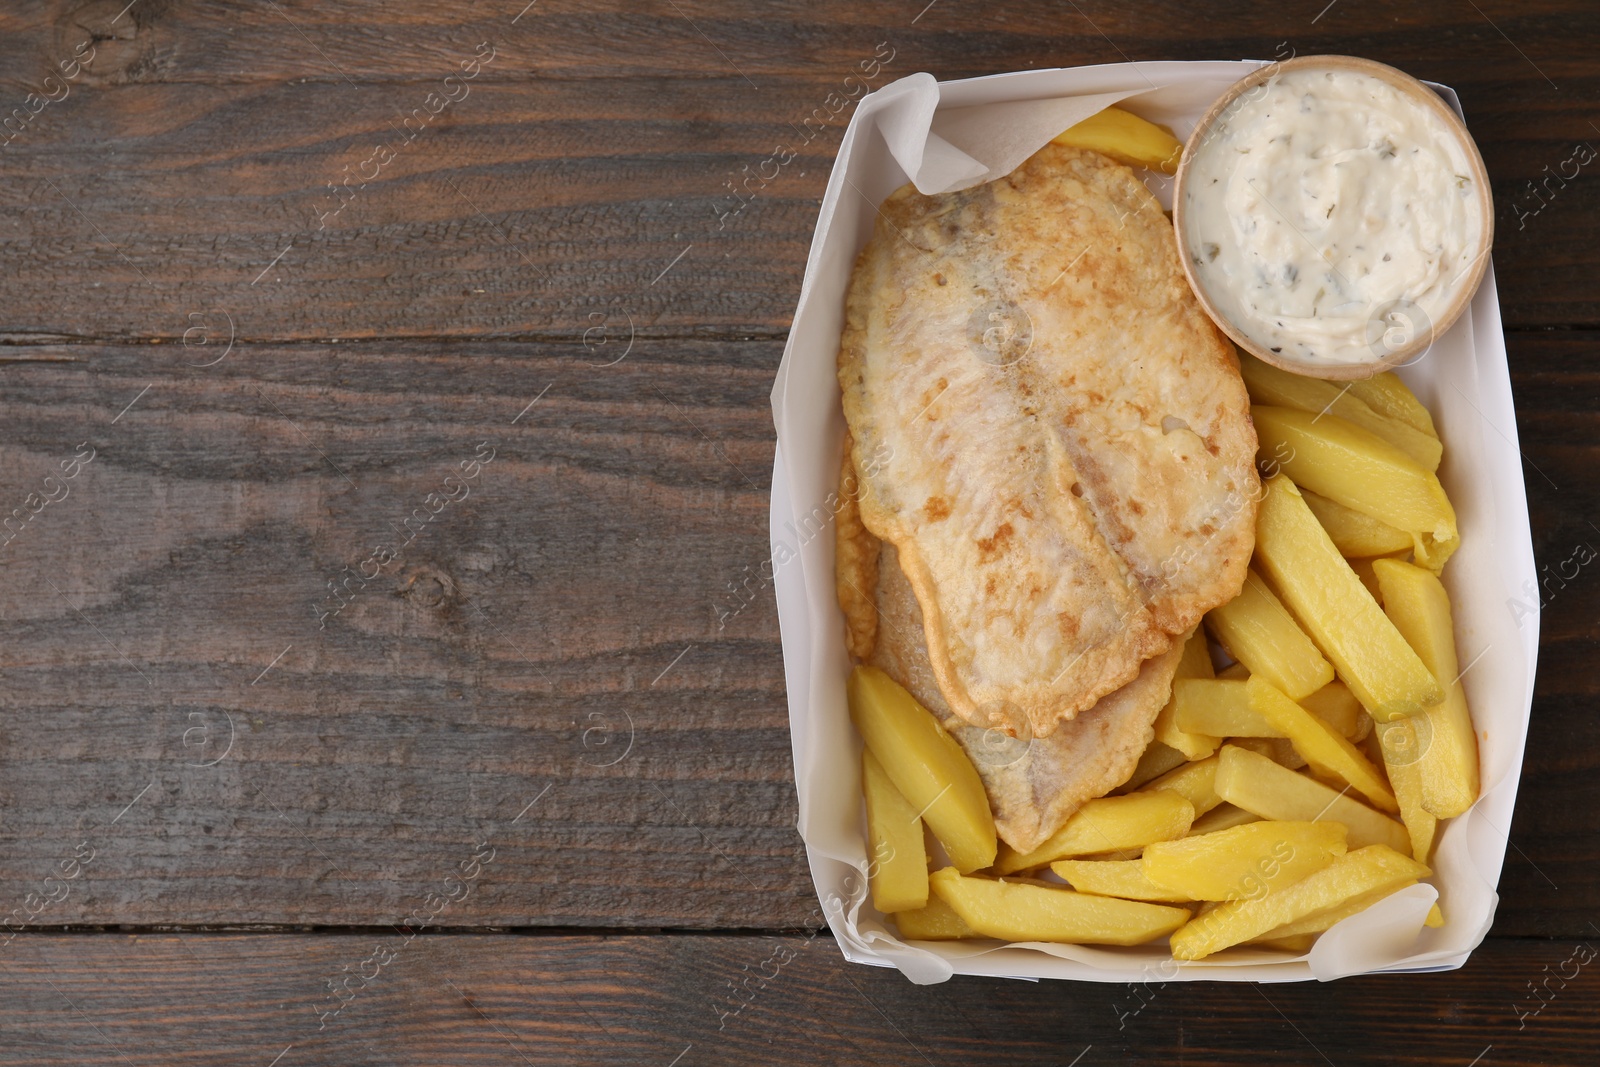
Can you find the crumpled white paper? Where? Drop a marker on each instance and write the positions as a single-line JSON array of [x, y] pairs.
[[952, 135]]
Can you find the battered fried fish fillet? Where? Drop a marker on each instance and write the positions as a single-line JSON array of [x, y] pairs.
[[1070, 479], [855, 571], [1033, 786]]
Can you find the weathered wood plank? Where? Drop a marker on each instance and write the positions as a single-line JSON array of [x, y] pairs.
[[1557, 389], [597, 149], [506, 649], [339, 39], [200, 999], [556, 628], [541, 712]]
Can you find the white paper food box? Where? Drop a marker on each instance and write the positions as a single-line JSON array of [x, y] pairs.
[[952, 135]]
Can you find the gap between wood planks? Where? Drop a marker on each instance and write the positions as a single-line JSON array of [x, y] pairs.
[[719, 335], [382, 929], [723, 335]]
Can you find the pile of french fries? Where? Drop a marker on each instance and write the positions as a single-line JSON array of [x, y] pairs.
[[1286, 792]]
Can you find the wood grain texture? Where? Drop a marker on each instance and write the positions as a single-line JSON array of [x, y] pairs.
[[263, 665], [1557, 390], [507, 648], [557, 628], [200, 146], [690, 1000]]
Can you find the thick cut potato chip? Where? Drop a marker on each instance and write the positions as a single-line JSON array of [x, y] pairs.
[[1196, 659], [1445, 743], [1324, 748], [1269, 385], [1022, 911], [1387, 395], [1259, 632], [1209, 705], [936, 922], [1109, 824], [1224, 816], [1245, 862], [1325, 918], [926, 765], [1297, 943], [1345, 463], [1400, 764], [1335, 705], [1276, 749], [1195, 782], [1364, 871], [1222, 707], [1115, 878], [898, 873], [1157, 760], [1369, 580], [1126, 138], [1316, 583], [1355, 535], [1255, 783], [1196, 663]]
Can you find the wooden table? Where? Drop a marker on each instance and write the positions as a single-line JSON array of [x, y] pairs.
[[411, 365]]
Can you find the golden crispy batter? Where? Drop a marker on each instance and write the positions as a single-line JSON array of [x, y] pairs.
[[855, 558], [1069, 478], [1033, 786]]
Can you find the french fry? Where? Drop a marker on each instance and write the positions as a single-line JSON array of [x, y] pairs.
[[1195, 782], [1355, 535], [1109, 824], [1400, 744], [1343, 462], [1372, 658], [1435, 917], [1191, 745], [1195, 663], [1126, 138], [1269, 385], [1256, 784], [1276, 749], [1115, 878], [1418, 605], [1335, 705], [936, 922], [1297, 943], [926, 766], [1387, 395], [1324, 748], [1234, 672], [1258, 631], [1157, 760], [1325, 918], [1207, 705], [1371, 743], [1196, 659], [1369, 580], [1363, 871], [1223, 708], [1020, 911], [1406, 778], [1244, 862], [1224, 816], [898, 873]]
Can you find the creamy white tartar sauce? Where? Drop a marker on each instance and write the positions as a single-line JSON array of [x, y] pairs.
[[1325, 209]]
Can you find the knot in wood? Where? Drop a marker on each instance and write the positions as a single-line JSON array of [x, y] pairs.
[[107, 39]]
